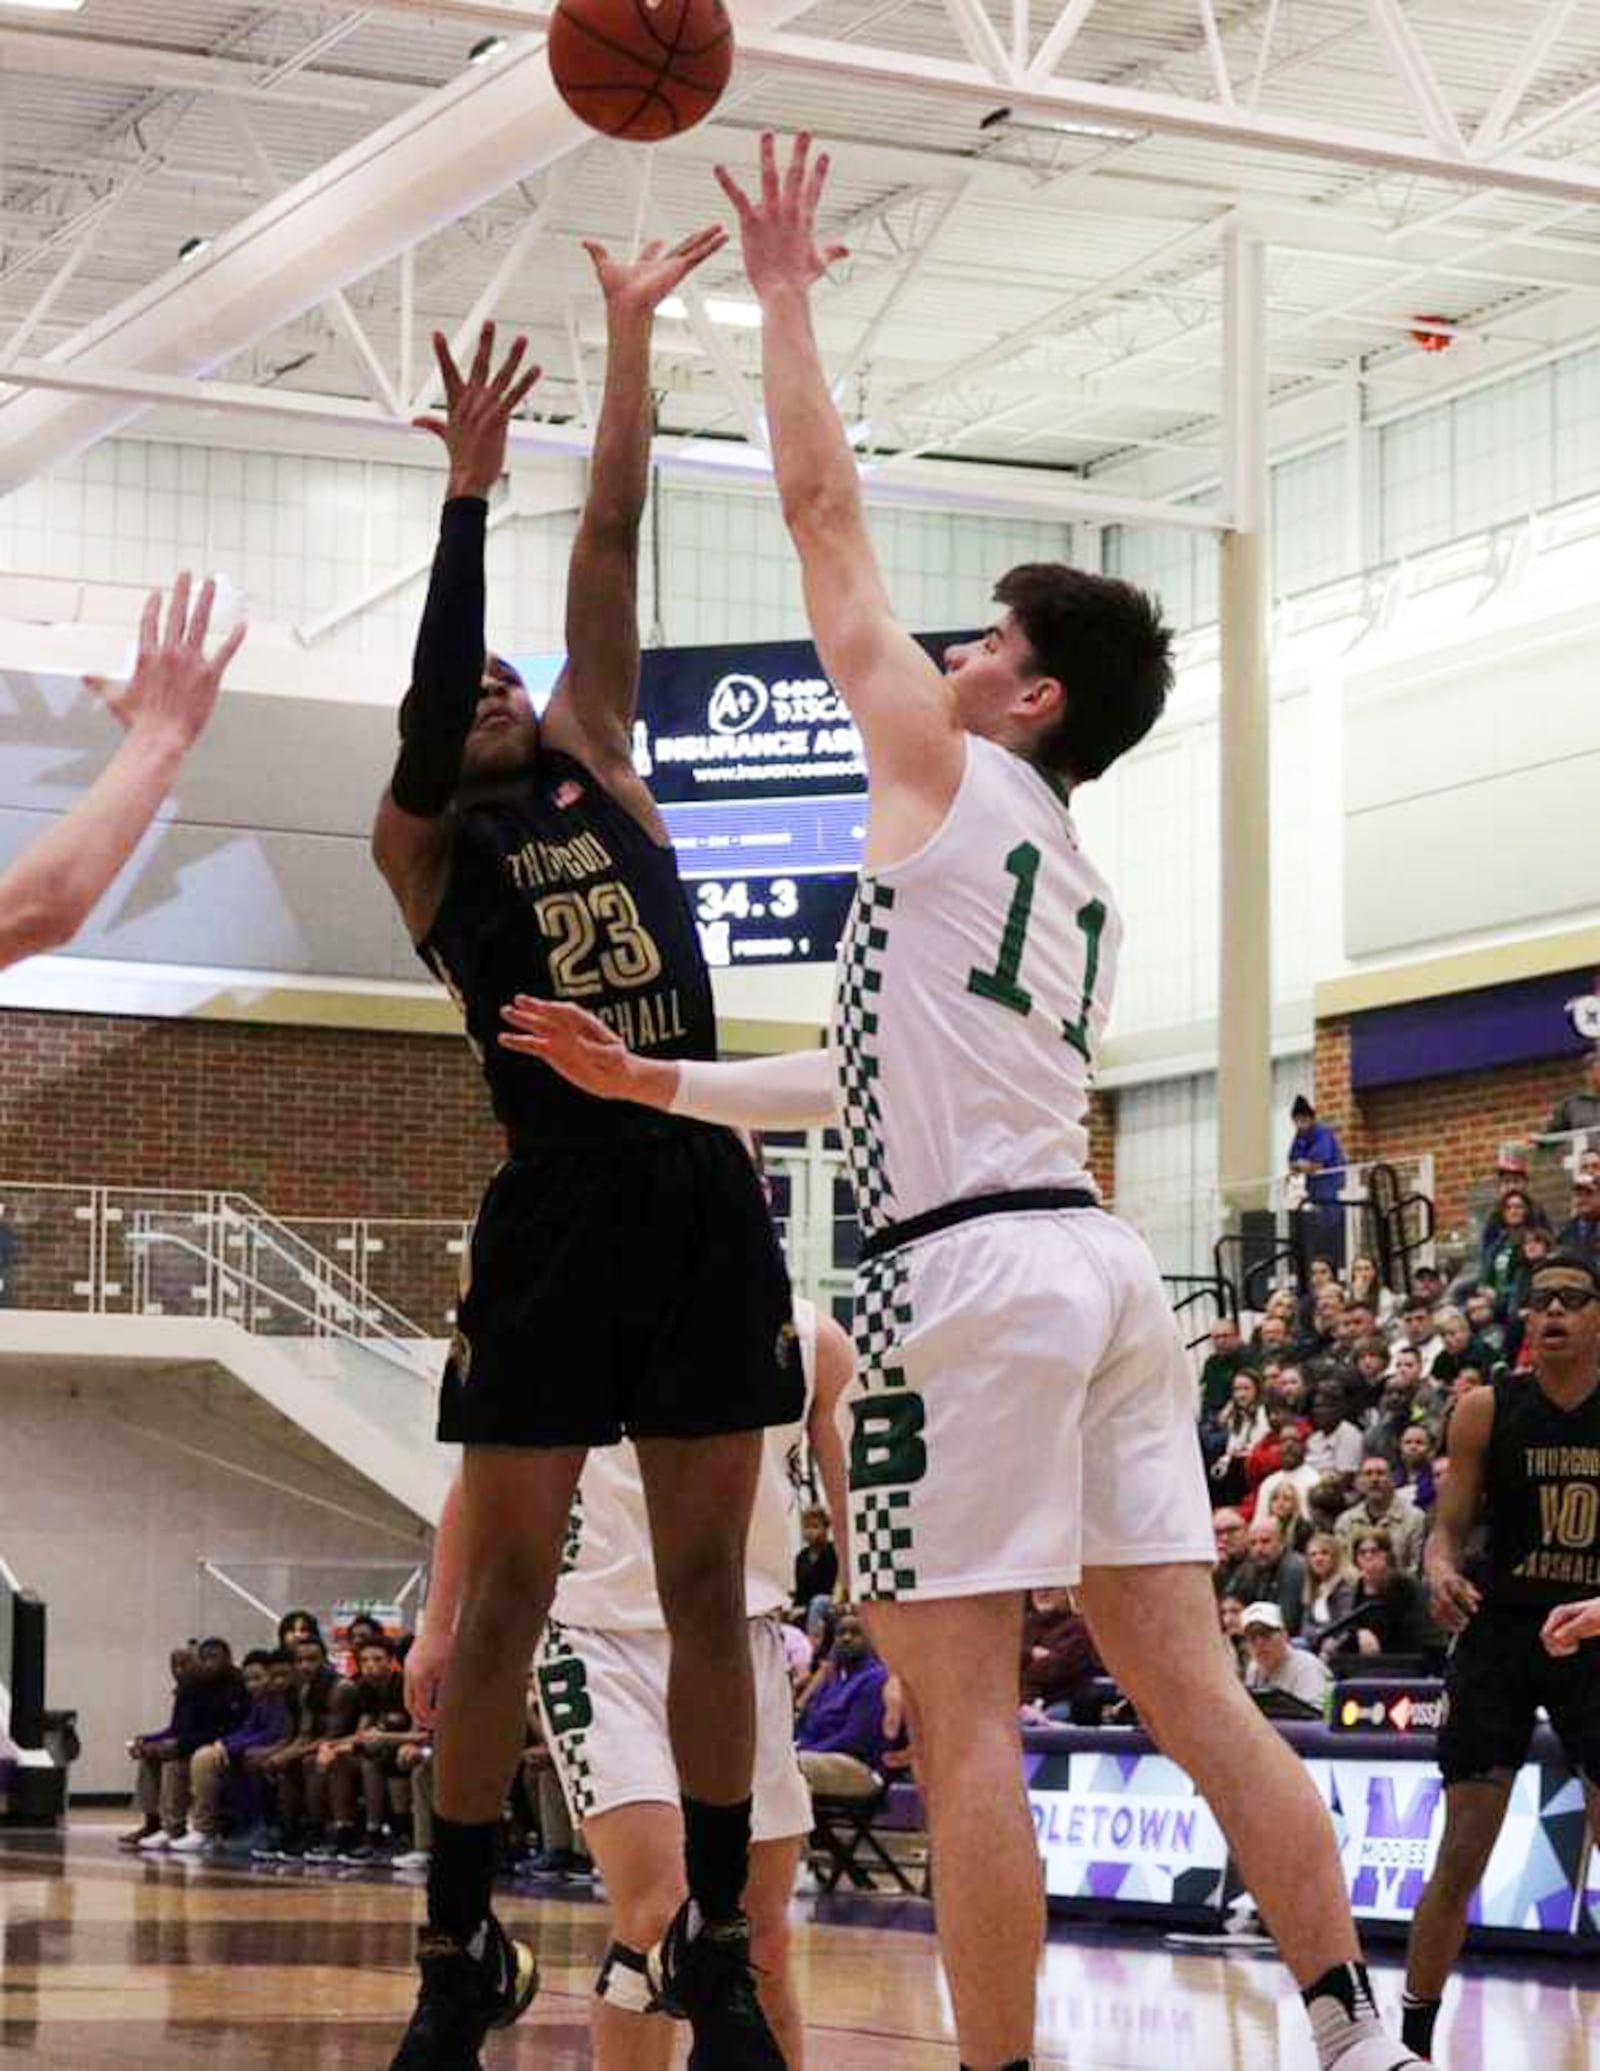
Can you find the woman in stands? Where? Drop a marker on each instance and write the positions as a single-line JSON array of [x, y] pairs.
[[1390, 1608], [1330, 1587], [1367, 1289]]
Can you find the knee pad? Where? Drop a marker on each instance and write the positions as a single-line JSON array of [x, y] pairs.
[[623, 1981]]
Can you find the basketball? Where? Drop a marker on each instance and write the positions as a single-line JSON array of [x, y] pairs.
[[641, 69]]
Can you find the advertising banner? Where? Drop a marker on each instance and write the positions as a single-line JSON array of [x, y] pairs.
[[1128, 1827]]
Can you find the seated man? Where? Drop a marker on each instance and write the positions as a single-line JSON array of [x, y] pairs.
[[816, 1565], [209, 1703], [1058, 1656], [267, 1677], [362, 1763], [163, 1798], [841, 1738], [1275, 1574], [1274, 1665], [322, 1708], [1381, 1506]]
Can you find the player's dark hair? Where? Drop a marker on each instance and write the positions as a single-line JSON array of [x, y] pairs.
[[280, 1657], [258, 1657], [1106, 644], [1571, 1262], [380, 1640], [294, 1617]]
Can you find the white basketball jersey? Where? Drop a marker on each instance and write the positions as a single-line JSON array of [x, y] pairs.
[[972, 989], [608, 1576]]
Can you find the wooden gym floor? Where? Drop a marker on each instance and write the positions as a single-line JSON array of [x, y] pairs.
[[111, 1961]]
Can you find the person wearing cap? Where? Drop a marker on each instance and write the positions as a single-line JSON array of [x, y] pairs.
[[1580, 1110], [1274, 1664]]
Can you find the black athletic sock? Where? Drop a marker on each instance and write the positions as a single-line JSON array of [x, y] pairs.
[[1417, 2020], [461, 1876], [1016, 2064], [716, 1843]]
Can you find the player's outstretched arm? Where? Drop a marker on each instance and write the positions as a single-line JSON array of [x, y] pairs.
[[1453, 1599], [793, 1091], [902, 703], [599, 689], [50, 890], [410, 839], [835, 1370], [1569, 1625]]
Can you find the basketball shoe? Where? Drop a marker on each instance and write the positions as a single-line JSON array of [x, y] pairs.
[[701, 1974], [467, 1990]]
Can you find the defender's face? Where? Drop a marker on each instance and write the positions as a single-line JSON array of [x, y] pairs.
[[990, 677], [505, 731], [1557, 1332]]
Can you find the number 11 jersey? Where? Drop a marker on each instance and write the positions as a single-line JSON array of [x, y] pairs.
[[972, 990]]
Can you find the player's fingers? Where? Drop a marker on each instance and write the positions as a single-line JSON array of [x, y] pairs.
[[519, 394], [833, 253], [200, 624], [508, 372], [449, 372], [229, 648], [770, 188], [795, 182], [483, 358], [150, 625], [525, 1045], [652, 251], [178, 609], [743, 207], [439, 429]]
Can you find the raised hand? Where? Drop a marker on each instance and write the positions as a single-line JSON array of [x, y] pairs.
[[779, 232], [577, 1044], [174, 686], [636, 287], [479, 407]]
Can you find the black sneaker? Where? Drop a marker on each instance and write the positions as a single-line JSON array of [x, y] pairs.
[[701, 1974], [463, 1997]]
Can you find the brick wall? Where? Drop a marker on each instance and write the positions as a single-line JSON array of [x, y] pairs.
[[1103, 1143], [1462, 1118]]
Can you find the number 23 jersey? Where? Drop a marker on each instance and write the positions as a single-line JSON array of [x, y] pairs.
[[555, 889], [971, 993]]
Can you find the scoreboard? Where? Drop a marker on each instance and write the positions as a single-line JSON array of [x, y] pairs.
[[757, 767]]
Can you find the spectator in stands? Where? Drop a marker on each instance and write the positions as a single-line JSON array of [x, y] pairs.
[[414, 1766], [1537, 1244], [210, 1703], [1229, 1529], [1580, 1110], [1420, 1330], [816, 1565], [1581, 1232], [360, 1766], [1242, 1425], [1461, 1346], [1276, 1666], [1284, 1508], [1404, 1404], [1502, 1247], [1357, 1322], [1330, 1587], [1294, 1474], [1335, 1444], [1322, 1341], [1381, 1507], [1329, 1501], [1367, 1289], [1273, 1338], [1290, 1383], [1266, 1455], [539, 1782], [1316, 1159], [1483, 1314], [1058, 1656], [1418, 1450], [322, 1707], [1230, 1613], [840, 1739], [1364, 1390], [224, 1761], [163, 1798], [1390, 1611], [1275, 1575], [1228, 1355], [295, 1626]]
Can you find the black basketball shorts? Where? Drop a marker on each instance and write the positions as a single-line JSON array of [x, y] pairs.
[[1498, 1677], [632, 1287]]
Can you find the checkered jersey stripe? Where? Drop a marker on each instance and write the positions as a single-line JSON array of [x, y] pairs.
[[857, 996], [881, 1541], [881, 1319], [576, 1770]]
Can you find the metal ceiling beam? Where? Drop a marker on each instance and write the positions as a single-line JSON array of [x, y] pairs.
[[1417, 76], [1007, 492], [1489, 133], [38, 54]]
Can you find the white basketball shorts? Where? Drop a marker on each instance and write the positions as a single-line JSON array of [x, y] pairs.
[[1023, 1408], [603, 1697]]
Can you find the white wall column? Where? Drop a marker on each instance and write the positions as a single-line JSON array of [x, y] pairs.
[[1244, 1055]]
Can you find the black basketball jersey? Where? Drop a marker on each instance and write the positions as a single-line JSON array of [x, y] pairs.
[[1541, 1498], [555, 889]]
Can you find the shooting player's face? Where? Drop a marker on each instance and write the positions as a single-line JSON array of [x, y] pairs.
[[505, 732], [991, 677]]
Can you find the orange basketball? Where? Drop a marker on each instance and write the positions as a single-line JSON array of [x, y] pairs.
[[641, 69]]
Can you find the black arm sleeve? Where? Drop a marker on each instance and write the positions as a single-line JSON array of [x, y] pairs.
[[447, 670]]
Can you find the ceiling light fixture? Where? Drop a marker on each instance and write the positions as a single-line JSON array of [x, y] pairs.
[[1062, 126], [191, 249], [48, 6], [734, 316], [485, 52]]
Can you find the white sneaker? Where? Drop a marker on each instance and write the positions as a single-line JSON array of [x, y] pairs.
[[413, 1859], [1378, 2053], [193, 1843], [153, 1844]]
